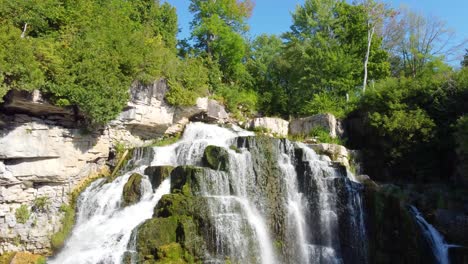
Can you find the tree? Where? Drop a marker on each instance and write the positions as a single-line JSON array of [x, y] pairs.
[[376, 13], [325, 48], [464, 62], [264, 64], [218, 29], [415, 41]]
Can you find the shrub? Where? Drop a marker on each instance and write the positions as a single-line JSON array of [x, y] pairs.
[[166, 141], [461, 139], [323, 136], [41, 203], [22, 214]]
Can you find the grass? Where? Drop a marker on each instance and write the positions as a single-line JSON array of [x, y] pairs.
[[22, 214], [165, 141], [323, 136], [58, 239], [41, 204]]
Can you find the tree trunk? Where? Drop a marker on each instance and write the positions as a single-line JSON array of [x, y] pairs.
[[370, 34], [23, 34]]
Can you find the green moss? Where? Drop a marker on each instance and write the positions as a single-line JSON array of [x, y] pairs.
[[68, 220], [157, 174], [216, 158], [235, 148], [161, 240], [165, 141], [6, 258], [186, 175], [132, 190], [22, 214]]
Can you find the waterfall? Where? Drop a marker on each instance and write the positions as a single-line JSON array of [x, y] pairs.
[[103, 228], [276, 202], [433, 237]]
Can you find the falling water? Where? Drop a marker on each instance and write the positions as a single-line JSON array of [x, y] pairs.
[[245, 225], [433, 237], [103, 228]]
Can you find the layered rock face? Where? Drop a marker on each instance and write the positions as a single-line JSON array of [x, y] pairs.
[[45, 153], [40, 163], [147, 115]]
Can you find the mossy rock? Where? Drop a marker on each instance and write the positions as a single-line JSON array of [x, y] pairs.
[[216, 158], [157, 239], [132, 190], [157, 174], [185, 179]]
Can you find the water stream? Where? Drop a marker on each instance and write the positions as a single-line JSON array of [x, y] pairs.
[[314, 207]]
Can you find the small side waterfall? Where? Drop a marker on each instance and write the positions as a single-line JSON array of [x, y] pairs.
[[274, 201], [103, 228], [433, 237]]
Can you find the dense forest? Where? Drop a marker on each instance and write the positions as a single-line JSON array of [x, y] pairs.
[[383, 71]]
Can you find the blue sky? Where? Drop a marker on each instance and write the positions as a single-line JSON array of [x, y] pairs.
[[273, 16]]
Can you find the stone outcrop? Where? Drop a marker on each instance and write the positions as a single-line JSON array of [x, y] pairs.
[[132, 190], [273, 125], [34, 104], [148, 115], [41, 161], [303, 126], [336, 152]]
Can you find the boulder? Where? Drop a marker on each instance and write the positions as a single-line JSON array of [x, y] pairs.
[[336, 152], [303, 126], [273, 125], [216, 158], [148, 115], [210, 111], [131, 193], [157, 174]]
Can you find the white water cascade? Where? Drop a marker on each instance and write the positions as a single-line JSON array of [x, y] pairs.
[[299, 223], [434, 238], [103, 228]]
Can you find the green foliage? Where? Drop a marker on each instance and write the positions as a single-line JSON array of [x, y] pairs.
[[464, 62], [241, 102], [18, 66], [41, 260], [68, 220], [41, 204], [22, 214], [86, 54], [217, 29], [323, 136], [327, 103], [410, 121], [165, 141], [461, 140], [320, 63], [265, 65]]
